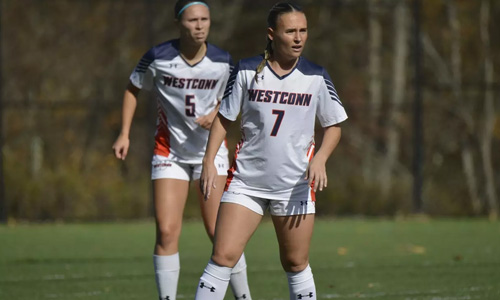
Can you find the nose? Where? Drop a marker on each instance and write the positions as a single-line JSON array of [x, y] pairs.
[[297, 37]]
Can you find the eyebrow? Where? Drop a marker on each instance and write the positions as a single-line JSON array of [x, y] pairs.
[[295, 29], [196, 18]]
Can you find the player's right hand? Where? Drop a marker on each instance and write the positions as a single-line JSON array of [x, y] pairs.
[[208, 179], [120, 147]]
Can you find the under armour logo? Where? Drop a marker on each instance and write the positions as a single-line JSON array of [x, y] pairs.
[[203, 285], [310, 295], [260, 77], [166, 298], [302, 203], [171, 66], [244, 296]]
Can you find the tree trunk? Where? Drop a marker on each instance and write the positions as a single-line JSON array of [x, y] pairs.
[[398, 94], [438, 62], [486, 136], [456, 75], [375, 83]]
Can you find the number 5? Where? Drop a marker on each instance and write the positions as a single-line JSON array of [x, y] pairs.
[[190, 108]]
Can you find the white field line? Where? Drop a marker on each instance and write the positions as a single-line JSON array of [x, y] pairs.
[[413, 295], [62, 277], [404, 295], [90, 294]]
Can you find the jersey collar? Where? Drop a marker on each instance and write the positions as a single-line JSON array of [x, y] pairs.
[[286, 75]]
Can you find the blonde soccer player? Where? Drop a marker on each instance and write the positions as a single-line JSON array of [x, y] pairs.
[[278, 95], [188, 76]]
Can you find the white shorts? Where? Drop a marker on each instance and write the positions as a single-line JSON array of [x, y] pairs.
[[163, 167], [276, 207]]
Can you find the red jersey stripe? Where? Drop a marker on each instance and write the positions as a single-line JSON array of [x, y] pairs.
[[230, 171], [162, 138]]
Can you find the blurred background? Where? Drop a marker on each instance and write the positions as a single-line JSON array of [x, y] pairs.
[[419, 80]]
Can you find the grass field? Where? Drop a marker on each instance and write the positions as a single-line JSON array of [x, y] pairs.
[[351, 259]]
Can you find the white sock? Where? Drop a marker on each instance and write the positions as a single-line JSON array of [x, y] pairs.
[[213, 283], [239, 281], [301, 285], [167, 269]]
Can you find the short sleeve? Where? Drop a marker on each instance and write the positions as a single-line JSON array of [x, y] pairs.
[[231, 101], [330, 110], [144, 73], [227, 74]]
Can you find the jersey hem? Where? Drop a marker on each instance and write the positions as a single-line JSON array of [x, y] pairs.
[[283, 196], [334, 122]]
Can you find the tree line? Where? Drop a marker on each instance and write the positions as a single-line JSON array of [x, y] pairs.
[[65, 65]]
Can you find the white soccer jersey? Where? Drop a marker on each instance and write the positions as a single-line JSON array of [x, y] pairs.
[[185, 92], [277, 124]]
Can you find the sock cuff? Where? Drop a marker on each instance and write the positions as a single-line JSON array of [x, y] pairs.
[[300, 277], [219, 272], [241, 265], [167, 262]]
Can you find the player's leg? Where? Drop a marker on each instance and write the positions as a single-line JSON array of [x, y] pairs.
[[235, 225], [169, 200], [169, 197], [209, 209], [294, 237]]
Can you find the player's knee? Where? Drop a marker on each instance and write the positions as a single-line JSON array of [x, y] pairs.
[[167, 233], [225, 258], [294, 264]]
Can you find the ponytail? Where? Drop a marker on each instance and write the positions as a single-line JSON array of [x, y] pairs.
[[267, 55], [277, 10]]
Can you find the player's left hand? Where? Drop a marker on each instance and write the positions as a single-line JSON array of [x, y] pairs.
[[208, 179], [316, 175], [206, 121]]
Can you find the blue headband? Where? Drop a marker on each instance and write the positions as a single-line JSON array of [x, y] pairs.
[[190, 4]]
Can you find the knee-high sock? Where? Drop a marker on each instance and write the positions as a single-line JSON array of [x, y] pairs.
[[239, 281], [167, 270], [213, 283], [301, 285]]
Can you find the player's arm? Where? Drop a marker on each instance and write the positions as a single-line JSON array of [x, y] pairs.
[[316, 171], [217, 134], [206, 121], [122, 143]]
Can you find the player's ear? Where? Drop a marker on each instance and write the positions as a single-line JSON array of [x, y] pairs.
[[270, 33]]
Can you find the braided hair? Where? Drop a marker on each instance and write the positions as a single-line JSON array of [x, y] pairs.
[[277, 10]]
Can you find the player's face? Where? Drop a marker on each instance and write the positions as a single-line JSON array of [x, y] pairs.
[[194, 24], [289, 36]]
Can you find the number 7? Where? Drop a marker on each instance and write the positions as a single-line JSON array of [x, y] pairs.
[[279, 117]]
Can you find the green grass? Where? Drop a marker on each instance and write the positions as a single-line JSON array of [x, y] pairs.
[[351, 259]]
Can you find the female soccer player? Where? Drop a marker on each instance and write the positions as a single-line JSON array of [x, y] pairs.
[[278, 95], [188, 76]]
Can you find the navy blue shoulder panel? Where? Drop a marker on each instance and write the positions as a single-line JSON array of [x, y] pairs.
[[167, 50], [216, 54], [250, 63], [309, 68], [244, 64]]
